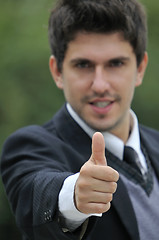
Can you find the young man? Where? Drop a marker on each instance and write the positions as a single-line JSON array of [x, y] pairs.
[[56, 176]]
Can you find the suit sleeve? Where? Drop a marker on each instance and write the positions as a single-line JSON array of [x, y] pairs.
[[33, 168]]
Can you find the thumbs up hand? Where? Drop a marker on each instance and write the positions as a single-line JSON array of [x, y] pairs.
[[96, 182]]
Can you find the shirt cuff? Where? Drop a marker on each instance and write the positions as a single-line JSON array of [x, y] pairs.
[[73, 218]]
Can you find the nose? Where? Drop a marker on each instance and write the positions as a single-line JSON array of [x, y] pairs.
[[100, 82]]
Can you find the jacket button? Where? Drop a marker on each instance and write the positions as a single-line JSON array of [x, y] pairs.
[[47, 215]]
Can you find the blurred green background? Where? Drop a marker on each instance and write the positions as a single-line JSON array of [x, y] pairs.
[[27, 92]]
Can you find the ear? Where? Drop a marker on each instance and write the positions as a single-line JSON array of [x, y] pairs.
[[56, 74], [141, 70]]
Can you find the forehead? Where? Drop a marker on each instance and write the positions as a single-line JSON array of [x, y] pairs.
[[94, 45]]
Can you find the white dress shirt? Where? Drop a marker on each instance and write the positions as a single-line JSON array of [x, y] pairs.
[[74, 218]]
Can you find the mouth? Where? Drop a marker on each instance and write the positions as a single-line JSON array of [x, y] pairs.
[[101, 104], [102, 107]]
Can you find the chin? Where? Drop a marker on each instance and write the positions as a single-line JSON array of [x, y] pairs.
[[103, 126], [99, 127]]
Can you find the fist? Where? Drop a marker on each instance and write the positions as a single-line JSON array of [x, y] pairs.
[[96, 182]]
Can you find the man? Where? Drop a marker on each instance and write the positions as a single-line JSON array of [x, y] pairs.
[[56, 176]]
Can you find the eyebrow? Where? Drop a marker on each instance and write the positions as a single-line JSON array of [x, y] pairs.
[[120, 58], [79, 59], [76, 60]]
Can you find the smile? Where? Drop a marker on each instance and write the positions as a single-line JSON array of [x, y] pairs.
[[101, 104]]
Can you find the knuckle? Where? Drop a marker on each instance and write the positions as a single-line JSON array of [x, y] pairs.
[[116, 176], [86, 170], [112, 175], [82, 184], [109, 197], [81, 203], [107, 207], [82, 198], [79, 206], [101, 208], [83, 170], [113, 187]]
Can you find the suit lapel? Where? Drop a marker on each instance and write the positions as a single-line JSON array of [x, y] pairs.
[[72, 133], [150, 140]]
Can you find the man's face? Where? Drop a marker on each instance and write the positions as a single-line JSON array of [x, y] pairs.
[[98, 78]]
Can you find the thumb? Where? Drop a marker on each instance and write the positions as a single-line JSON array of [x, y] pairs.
[[98, 149]]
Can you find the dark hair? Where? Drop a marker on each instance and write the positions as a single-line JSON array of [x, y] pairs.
[[99, 16]]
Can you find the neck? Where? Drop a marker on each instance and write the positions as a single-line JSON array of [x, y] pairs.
[[123, 132]]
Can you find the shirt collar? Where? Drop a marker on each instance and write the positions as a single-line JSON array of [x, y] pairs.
[[113, 143]]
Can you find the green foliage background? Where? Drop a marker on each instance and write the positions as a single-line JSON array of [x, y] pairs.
[[27, 92]]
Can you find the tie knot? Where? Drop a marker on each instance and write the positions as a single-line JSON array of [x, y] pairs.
[[131, 157]]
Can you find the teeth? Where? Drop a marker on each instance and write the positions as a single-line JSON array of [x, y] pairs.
[[101, 104]]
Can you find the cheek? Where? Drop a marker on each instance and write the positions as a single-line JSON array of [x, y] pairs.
[[71, 90], [77, 86], [124, 86], [129, 92]]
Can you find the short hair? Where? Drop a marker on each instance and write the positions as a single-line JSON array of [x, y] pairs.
[[99, 16]]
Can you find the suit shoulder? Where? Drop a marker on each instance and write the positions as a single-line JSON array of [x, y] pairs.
[[30, 134], [30, 130], [150, 132]]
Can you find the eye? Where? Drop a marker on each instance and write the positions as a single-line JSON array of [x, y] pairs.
[[116, 63], [84, 64]]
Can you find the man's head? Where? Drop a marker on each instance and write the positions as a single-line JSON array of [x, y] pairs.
[[99, 58], [97, 16]]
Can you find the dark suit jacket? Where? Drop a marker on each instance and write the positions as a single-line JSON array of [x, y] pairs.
[[35, 162]]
